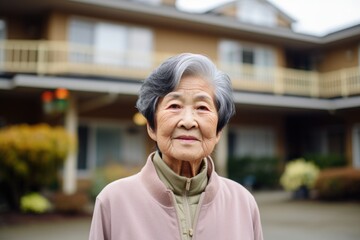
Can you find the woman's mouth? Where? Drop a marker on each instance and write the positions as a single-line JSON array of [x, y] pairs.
[[187, 138]]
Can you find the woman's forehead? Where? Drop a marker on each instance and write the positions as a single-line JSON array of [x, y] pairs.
[[180, 95]]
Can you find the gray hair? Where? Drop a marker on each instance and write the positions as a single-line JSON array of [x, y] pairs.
[[167, 76]]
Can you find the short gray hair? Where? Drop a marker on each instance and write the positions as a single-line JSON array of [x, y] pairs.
[[167, 76]]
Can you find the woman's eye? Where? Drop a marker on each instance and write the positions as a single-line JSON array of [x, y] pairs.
[[203, 108], [174, 106]]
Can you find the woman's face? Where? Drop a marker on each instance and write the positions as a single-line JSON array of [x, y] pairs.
[[186, 121]]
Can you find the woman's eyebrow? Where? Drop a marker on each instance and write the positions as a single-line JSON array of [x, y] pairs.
[[203, 97], [173, 95]]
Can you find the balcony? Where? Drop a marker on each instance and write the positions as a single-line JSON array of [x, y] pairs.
[[63, 58]]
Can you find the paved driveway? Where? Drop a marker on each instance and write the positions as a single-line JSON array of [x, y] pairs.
[[282, 220], [72, 229]]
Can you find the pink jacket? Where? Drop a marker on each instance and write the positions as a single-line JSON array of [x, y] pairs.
[[141, 208]]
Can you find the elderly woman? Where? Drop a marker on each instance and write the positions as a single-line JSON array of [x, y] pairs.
[[178, 195]]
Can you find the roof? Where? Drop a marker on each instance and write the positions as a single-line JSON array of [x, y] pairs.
[[169, 16], [233, 2]]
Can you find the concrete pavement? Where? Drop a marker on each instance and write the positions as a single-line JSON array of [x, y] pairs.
[[71, 229], [282, 219]]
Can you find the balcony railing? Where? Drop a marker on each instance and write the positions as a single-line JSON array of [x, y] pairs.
[[63, 58]]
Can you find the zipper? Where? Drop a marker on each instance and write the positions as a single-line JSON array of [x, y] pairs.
[[187, 210], [192, 224], [177, 214], [197, 212]]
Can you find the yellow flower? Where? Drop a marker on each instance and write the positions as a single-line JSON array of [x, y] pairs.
[[35, 203], [299, 173]]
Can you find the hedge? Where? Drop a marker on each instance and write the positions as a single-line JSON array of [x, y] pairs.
[[339, 184]]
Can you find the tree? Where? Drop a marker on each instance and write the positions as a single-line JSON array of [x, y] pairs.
[[30, 157]]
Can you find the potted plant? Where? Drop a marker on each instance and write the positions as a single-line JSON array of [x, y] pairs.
[[299, 177]]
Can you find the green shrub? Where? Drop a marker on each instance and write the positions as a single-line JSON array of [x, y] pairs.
[[30, 157], [324, 161], [338, 184], [109, 173], [34, 203], [256, 172]]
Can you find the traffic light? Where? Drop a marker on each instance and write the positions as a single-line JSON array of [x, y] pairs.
[[56, 101]]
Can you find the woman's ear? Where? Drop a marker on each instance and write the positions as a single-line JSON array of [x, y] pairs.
[[218, 136], [151, 132]]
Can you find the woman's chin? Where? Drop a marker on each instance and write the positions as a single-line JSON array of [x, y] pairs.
[[189, 157]]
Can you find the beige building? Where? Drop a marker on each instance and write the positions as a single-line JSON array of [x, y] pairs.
[[295, 94]]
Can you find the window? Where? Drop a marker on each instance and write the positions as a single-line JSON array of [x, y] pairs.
[[247, 61], [118, 145], [256, 12], [248, 56], [101, 144], [2, 30], [2, 37], [110, 44], [108, 146], [83, 136], [82, 33], [326, 140], [254, 142], [235, 52]]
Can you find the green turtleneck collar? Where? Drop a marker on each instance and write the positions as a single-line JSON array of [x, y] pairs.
[[176, 183]]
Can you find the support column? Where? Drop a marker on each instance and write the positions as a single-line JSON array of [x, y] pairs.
[[70, 166], [221, 154]]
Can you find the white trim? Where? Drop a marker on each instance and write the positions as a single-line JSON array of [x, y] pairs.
[[119, 87], [356, 146], [70, 165], [6, 84], [282, 101], [359, 54], [76, 84]]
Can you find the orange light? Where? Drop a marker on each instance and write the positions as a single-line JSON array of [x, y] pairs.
[[47, 96], [139, 119], [61, 93]]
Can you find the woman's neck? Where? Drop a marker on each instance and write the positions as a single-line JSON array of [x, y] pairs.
[[184, 168]]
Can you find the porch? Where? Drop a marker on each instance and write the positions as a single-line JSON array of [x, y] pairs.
[[51, 58]]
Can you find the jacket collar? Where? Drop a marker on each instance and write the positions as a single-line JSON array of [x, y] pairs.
[[179, 184], [163, 195]]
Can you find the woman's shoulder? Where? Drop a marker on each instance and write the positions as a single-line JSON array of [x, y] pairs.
[[119, 187], [235, 189]]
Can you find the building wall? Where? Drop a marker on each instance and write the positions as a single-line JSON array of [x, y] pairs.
[[344, 56], [53, 26], [19, 110], [166, 40], [56, 26], [26, 27], [174, 41]]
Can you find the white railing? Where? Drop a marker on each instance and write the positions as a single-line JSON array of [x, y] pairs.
[[63, 58]]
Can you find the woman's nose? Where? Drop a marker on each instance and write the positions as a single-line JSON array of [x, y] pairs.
[[188, 120]]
